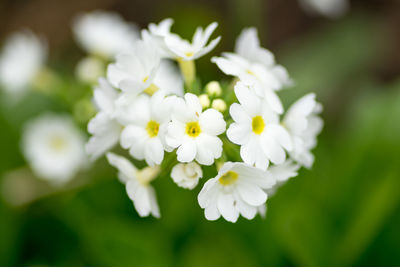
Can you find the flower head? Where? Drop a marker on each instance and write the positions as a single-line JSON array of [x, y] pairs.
[[186, 175], [194, 132], [21, 60], [137, 184], [257, 129], [237, 189], [104, 33], [54, 148]]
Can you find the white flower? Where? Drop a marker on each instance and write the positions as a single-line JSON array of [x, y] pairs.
[[194, 132], [104, 127], [186, 175], [104, 33], [255, 66], [303, 124], [281, 174], [54, 148], [89, 69], [257, 129], [185, 50], [168, 79], [328, 8], [156, 35], [134, 71], [146, 119], [137, 184], [237, 189], [21, 60]]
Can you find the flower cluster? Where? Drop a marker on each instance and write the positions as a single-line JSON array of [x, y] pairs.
[[151, 102]]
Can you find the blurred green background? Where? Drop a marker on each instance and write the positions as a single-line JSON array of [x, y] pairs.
[[343, 212]]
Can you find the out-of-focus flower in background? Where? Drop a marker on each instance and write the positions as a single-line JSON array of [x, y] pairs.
[[327, 8], [21, 61], [54, 148]]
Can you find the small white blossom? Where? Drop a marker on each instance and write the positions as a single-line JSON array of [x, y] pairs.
[[104, 33], [137, 184], [146, 119], [54, 148], [134, 71], [186, 175], [327, 8], [257, 129], [21, 59], [156, 34], [185, 50], [168, 79], [194, 132], [304, 124], [237, 189], [104, 127], [255, 66]]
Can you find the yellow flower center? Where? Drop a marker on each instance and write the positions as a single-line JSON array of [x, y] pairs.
[[152, 87], [58, 143], [250, 72], [189, 54], [152, 128], [193, 129], [228, 178], [258, 125]]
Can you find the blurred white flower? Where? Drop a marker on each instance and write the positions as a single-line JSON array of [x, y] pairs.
[[21, 59], [328, 8], [54, 148], [213, 88], [237, 189], [304, 124], [104, 33], [90, 69], [186, 175], [146, 121], [194, 132], [257, 129], [104, 128], [204, 100], [184, 50], [134, 71], [137, 184], [219, 104]]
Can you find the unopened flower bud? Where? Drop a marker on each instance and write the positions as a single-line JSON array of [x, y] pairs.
[[204, 100], [219, 105], [213, 88]]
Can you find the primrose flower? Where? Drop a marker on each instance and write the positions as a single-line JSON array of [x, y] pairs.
[[156, 34], [147, 120], [194, 132], [184, 50], [134, 71], [186, 175], [257, 129], [104, 127], [237, 189], [304, 124], [137, 184], [104, 33], [54, 148], [21, 60]]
